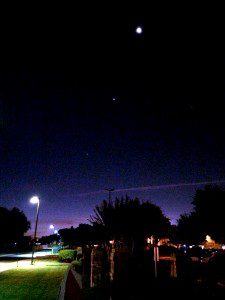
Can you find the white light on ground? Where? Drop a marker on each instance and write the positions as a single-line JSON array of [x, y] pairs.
[[23, 264], [34, 200], [55, 231], [4, 266]]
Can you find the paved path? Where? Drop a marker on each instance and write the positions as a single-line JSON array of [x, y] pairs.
[[22, 259], [4, 266], [20, 263], [27, 255], [70, 288]]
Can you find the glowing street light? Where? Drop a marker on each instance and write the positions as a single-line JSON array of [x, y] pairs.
[[35, 200], [139, 30], [53, 228]]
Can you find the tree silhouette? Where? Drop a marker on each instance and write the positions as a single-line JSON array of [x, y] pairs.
[[187, 232], [13, 225], [49, 239], [207, 217], [84, 234], [130, 219]]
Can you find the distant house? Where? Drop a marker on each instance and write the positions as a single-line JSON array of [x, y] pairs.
[[209, 243]]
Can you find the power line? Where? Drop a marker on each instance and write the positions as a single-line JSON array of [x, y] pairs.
[[156, 187]]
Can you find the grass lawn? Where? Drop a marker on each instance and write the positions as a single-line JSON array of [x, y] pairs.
[[40, 281]]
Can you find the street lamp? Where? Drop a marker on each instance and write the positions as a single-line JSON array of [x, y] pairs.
[[55, 231], [35, 200], [139, 30]]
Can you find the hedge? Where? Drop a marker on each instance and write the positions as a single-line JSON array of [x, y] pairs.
[[67, 255], [77, 264]]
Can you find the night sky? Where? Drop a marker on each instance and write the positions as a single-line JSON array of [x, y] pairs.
[[86, 103]]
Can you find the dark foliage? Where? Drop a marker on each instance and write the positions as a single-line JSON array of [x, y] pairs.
[[207, 217], [13, 225], [49, 239], [67, 255], [216, 267], [84, 234], [130, 219]]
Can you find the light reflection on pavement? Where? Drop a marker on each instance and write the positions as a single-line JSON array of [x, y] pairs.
[[27, 255]]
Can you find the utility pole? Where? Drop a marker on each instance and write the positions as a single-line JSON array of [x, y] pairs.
[[110, 190]]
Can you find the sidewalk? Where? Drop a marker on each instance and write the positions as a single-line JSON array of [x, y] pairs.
[[25, 263], [27, 255], [70, 288], [5, 266]]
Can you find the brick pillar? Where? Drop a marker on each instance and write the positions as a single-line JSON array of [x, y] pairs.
[[173, 266], [99, 267], [111, 263], [86, 265], [121, 257]]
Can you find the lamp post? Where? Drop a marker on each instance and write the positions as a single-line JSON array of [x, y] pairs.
[[35, 200]]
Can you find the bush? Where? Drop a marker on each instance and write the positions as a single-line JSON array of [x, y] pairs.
[[79, 256], [67, 255], [77, 264]]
